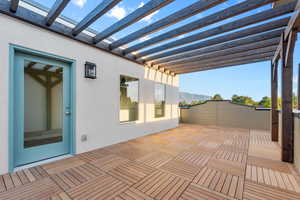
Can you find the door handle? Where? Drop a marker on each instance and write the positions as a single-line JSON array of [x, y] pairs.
[[67, 113]]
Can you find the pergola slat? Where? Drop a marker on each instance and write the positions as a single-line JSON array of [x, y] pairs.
[[261, 38], [241, 55], [256, 56], [14, 5], [180, 15], [135, 16], [211, 19], [220, 63], [224, 38], [38, 20], [256, 18], [99, 11], [244, 62], [225, 52], [55, 11]]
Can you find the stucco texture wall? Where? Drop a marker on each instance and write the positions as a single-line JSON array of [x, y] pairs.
[[224, 113], [97, 101]]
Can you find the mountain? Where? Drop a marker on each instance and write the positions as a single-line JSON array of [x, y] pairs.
[[189, 97]]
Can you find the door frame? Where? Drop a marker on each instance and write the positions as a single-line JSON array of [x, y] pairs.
[[12, 51]]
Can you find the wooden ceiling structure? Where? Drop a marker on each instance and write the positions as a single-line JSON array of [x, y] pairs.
[[268, 35], [246, 40]]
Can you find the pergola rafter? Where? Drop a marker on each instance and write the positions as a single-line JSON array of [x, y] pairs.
[[203, 22], [224, 38], [180, 15], [99, 11], [135, 16], [254, 54], [256, 18], [55, 11], [272, 43], [180, 52], [228, 64]]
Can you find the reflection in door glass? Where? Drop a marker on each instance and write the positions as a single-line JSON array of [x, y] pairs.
[[43, 103]]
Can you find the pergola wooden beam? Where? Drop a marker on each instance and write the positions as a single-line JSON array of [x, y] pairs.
[[225, 59], [229, 64], [294, 23], [224, 38], [287, 139], [256, 18], [263, 38], [14, 5], [55, 11], [180, 15], [228, 54], [135, 16], [205, 21], [99, 11], [274, 100]]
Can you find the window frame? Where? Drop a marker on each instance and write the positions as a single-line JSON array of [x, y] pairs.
[[165, 99], [138, 98]]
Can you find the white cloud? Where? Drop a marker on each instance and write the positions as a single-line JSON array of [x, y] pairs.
[[117, 12], [79, 3], [148, 18], [141, 4], [181, 36], [143, 39]]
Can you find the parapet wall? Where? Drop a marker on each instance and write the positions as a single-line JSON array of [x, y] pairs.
[[227, 114]]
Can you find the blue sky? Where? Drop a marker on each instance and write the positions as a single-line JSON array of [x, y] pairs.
[[251, 80]]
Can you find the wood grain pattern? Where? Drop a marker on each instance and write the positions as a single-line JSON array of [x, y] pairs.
[[190, 162]]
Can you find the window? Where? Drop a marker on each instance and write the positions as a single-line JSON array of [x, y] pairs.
[[160, 100], [129, 98]]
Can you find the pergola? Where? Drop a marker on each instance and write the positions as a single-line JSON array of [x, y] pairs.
[[268, 35]]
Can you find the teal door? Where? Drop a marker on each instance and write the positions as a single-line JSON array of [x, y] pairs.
[[42, 111]]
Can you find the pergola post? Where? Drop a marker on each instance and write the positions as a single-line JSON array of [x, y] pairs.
[[274, 99], [287, 50], [298, 106]]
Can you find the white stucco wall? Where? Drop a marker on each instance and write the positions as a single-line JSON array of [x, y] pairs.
[[97, 101]]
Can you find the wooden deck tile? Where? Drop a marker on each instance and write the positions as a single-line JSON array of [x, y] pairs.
[[133, 153], [109, 162], [133, 194], [220, 182], [181, 168], [234, 168], [101, 188], [155, 159], [75, 176], [270, 164], [92, 155], [61, 165], [162, 186], [191, 162], [131, 172], [38, 190], [254, 191], [196, 158], [272, 177], [195, 192]]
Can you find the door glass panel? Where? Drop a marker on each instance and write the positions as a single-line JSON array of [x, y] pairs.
[[43, 104]]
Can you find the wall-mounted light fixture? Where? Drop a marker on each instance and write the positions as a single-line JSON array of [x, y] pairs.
[[90, 70]]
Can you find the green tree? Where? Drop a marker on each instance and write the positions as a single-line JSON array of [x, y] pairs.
[[265, 102], [243, 100], [217, 97]]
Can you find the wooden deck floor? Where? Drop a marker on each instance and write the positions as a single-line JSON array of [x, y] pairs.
[[187, 163]]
